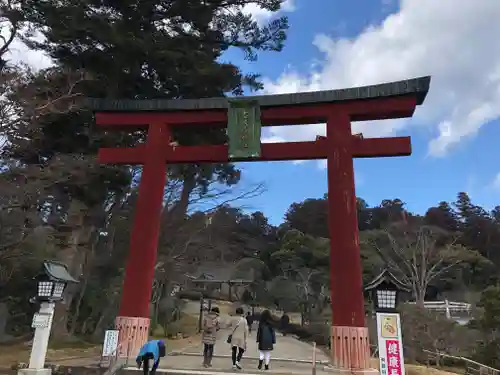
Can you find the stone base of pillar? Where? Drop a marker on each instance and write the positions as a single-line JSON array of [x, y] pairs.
[[350, 349], [134, 333]]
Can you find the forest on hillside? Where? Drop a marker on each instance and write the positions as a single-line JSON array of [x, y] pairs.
[[57, 202]]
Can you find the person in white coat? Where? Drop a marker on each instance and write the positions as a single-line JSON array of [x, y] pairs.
[[238, 337]]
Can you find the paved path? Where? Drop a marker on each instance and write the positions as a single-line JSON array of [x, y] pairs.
[[289, 355], [287, 347]]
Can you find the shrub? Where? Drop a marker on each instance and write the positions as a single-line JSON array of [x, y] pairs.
[[428, 330], [489, 325], [196, 295], [187, 325], [315, 332], [190, 295]]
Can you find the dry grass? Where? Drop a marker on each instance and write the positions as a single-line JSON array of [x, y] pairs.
[[187, 325], [81, 356], [225, 307], [13, 354], [423, 370], [416, 369]]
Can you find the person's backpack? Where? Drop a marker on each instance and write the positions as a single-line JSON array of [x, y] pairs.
[[210, 324], [162, 349]]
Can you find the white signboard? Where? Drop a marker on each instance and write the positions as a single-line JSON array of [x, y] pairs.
[[40, 320], [390, 345], [110, 343]]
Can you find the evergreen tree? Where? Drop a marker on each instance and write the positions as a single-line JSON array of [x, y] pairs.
[[442, 217], [136, 50], [490, 325], [479, 230]]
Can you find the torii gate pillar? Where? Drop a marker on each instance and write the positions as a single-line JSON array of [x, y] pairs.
[[350, 343]]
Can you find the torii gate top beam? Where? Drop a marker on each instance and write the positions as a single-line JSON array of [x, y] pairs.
[[376, 102]]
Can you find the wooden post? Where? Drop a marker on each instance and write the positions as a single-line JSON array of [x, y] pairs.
[[314, 359], [200, 318]]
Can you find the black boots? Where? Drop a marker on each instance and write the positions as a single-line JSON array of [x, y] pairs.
[[260, 365]]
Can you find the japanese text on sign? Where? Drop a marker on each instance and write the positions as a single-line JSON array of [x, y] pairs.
[[244, 135], [393, 357], [244, 129], [110, 343]]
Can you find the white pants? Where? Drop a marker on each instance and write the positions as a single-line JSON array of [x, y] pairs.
[[265, 355]]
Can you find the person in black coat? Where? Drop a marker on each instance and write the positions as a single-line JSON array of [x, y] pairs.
[[284, 323], [266, 338], [249, 319]]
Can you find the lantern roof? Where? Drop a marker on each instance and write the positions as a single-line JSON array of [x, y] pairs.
[[386, 277], [58, 271]]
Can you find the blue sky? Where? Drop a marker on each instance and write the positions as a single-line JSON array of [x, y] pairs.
[[336, 44], [468, 164]]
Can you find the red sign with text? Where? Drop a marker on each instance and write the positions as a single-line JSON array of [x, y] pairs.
[[393, 357]]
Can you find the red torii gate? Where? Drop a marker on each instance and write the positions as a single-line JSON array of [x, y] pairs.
[[350, 343]]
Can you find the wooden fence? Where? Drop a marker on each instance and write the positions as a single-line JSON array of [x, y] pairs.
[[470, 367], [450, 308]]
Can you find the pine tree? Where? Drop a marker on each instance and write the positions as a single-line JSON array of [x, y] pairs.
[[442, 217], [479, 230], [130, 49]]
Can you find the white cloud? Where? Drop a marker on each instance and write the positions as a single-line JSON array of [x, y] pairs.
[[455, 41], [271, 139], [496, 182], [322, 164], [262, 16], [20, 53]]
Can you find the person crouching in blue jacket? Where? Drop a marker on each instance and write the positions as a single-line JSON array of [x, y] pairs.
[[154, 349]]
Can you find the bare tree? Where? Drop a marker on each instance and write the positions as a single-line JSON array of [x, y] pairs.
[[417, 254], [28, 95]]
